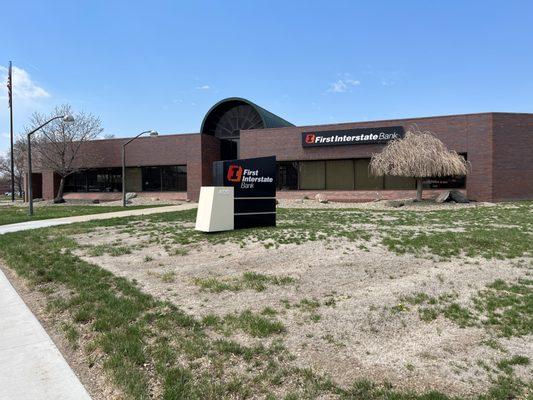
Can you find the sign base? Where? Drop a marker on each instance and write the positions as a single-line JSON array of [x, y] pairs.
[[215, 209]]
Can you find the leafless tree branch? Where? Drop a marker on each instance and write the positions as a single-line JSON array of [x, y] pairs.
[[57, 145]]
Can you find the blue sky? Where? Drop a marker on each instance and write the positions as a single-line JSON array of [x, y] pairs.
[[162, 64]]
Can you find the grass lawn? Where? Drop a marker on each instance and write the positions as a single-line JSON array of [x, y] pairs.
[[500, 232], [152, 348], [14, 214]]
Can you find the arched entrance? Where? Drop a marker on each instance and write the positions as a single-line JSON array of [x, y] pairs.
[[228, 117]]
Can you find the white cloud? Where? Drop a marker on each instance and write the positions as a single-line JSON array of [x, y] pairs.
[[203, 87], [344, 84], [23, 86], [387, 82]]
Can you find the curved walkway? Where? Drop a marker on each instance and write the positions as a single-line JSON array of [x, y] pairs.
[[44, 223]]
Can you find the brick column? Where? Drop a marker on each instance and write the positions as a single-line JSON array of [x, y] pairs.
[[203, 150]]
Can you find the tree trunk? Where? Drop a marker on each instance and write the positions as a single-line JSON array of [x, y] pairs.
[[19, 187], [418, 189], [59, 196]]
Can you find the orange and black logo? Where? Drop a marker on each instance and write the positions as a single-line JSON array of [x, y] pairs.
[[234, 173], [310, 138]]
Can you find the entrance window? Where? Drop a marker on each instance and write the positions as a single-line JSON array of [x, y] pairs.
[[229, 149]]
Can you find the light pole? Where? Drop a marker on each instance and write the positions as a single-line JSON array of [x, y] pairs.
[[65, 118], [152, 134]]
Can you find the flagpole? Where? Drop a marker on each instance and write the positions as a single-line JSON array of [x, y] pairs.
[[10, 90]]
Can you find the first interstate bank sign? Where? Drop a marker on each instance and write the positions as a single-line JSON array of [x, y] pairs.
[[352, 136]]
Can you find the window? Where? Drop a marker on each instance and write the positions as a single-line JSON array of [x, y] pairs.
[[104, 180], [340, 175], [345, 174], [229, 149], [95, 180], [150, 179], [363, 179], [447, 182], [76, 182], [182, 178], [169, 178], [312, 175], [399, 183], [172, 178], [287, 176]]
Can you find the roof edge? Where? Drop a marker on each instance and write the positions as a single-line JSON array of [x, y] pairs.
[[260, 110], [487, 114]]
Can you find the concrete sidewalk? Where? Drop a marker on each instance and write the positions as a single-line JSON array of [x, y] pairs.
[[31, 366], [22, 226]]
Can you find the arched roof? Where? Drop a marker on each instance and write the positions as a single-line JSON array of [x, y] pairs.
[[230, 115]]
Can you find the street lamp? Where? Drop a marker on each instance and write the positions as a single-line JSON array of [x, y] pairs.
[[152, 134], [66, 118]]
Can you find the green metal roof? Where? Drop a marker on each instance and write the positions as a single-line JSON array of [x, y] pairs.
[[215, 114]]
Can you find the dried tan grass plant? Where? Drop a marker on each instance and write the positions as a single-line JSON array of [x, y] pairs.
[[418, 155]]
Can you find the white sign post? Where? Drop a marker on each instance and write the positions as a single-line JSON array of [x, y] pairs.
[[215, 209]]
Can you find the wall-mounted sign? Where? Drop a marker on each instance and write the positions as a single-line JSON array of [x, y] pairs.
[[352, 136], [254, 183]]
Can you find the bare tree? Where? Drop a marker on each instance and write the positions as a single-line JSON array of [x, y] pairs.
[[19, 151], [418, 155], [58, 144], [5, 183]]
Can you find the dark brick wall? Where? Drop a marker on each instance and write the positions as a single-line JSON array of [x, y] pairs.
[[499, 147], [194, 164], [183, 149], [210, 154], [513, 156], [463, 133], [50, 184], [143, 151], [202, 151]]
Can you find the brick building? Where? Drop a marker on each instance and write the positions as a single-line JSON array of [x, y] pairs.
[[333, 159]]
